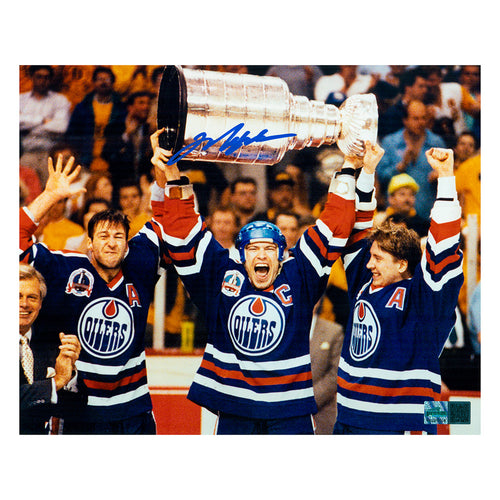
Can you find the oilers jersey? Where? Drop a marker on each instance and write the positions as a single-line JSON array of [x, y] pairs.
[[389, 364], [109, 318], [256, 362]]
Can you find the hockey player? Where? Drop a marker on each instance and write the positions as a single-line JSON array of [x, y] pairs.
[[104, 300], [256, 369], [403, 309]]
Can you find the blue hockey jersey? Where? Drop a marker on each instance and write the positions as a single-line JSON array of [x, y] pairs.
[[109, 318], [389, 364], [256, 363]]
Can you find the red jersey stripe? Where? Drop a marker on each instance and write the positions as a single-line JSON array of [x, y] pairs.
[[387, 391], [237, 375], [110, 386], [444, 230], [438, 267]]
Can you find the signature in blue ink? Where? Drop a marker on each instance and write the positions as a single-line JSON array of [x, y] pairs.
[[230, 145]]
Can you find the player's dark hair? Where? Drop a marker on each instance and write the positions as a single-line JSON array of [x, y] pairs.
[[402, 243], [113, 217]]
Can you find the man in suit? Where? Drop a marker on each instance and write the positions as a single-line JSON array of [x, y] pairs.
[[43, 376]]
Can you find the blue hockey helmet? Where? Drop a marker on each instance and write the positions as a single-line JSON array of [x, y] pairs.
[[260, 231]]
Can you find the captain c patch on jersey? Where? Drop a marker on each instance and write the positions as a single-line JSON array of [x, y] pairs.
[[365, 331]]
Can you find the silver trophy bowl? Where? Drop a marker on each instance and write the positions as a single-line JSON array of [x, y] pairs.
[[241, 118]]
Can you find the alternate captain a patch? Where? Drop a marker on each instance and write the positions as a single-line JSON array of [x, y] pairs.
[[365, 331], [80, 283], [256, 325]]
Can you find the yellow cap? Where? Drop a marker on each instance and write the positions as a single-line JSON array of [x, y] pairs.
[[402, 180]]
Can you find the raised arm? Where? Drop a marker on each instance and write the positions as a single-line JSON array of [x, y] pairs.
[[58, 186], [163, 172], [441, 160]]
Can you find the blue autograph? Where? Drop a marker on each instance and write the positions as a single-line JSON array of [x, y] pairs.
[[229, 146]]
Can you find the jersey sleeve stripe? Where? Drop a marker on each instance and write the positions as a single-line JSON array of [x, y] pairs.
[[443, 231], [200, 253], [176, 241], [313, 259], [437, 267]]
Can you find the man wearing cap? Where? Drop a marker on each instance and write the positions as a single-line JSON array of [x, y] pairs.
[[256, 369], [401, 197], [280, 197]]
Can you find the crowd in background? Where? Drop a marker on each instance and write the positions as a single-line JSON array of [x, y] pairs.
[[104, 116]]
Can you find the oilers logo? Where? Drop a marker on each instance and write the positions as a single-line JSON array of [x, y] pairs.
[[232, 282], [106, 327], [256, 325], [365, 333]]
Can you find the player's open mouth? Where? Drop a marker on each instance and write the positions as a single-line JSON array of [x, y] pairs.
[[261, 271]]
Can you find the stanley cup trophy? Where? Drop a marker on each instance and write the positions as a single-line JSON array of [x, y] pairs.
[[241, 118]]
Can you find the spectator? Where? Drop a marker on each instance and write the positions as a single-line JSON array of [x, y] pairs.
[[405, 153], [224, 225], [334, 89], [57, 229], [468, 177], [47, 374], [100, 109], [99, 185], [281, 196], [413, 87], [131, 79], [129, 156], [43, 119], [465, 148], [301, 80], [129, 199], [401, 197], [288, 224], [243, 198], [76, 82], [470, 79], [449, 100]]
